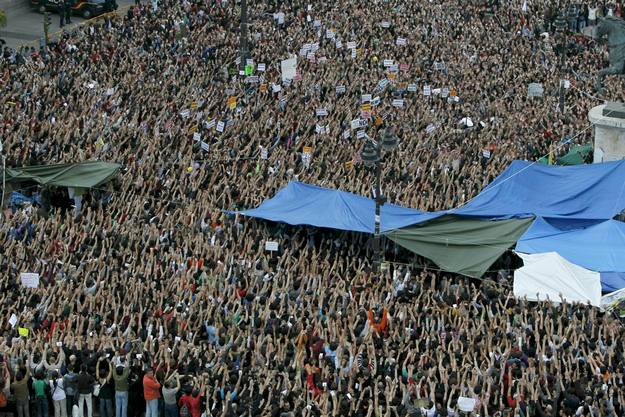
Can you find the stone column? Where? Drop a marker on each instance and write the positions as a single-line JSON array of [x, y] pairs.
[[609, 128]]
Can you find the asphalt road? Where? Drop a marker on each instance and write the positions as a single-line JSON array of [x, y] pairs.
[[25, 24]]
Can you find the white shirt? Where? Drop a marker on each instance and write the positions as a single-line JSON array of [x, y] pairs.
[[58, 392], [592, 13]]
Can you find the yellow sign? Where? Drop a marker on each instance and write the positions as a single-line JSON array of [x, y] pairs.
[[193, 129], [453, 92], [349, 164], [23, 331], [307, 149], [263, 88], [194, 105], [365, 107], [390, 75], [378, 121], [232, 102]]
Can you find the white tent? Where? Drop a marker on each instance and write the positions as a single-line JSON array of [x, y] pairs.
[[549, 274]]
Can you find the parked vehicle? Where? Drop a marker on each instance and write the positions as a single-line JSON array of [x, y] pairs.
[[84, 8]]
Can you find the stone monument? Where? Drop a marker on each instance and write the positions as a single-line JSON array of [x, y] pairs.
[[609, 127]]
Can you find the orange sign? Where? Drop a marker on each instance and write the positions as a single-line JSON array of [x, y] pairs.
[[307, 149], [232, 102]]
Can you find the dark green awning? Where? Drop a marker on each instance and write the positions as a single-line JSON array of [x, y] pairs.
[[81, 175], [462, 245]]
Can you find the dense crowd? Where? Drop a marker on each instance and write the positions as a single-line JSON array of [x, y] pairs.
[[155, 298]]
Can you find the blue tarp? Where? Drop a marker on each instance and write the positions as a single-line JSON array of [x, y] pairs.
[[599, 247], [573, 192], [300, 203]]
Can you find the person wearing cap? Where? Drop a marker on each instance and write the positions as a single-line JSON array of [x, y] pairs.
[[151, 393]]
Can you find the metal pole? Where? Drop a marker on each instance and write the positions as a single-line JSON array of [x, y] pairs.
[[562, 52], [243, 32], [379, 201]]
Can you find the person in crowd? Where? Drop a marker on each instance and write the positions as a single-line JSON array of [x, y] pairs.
[[107, 388], [170, 393], [40, 385], [151, 393], [85, 383], [121, 390], [59, 398]]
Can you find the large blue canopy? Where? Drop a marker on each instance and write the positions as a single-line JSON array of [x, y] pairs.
[[599, 247], [300, 203], [578, 192]]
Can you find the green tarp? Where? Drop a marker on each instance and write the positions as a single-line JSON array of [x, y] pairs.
[[81, 175], [462, 245], [575, 156]]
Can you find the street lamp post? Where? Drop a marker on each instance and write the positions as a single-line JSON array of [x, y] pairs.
[[243, 46], [560, 25], [371, 156]]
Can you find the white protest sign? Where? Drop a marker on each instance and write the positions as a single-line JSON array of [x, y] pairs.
[[353, 53], [29, 279], [388, 63], [385, 24], [264, 154], [365, 98], [261, 67], [398, 103], [486, 153], [535, 90], [185, 113], [426, 90], [466, 404], [347, 134], [376, 101], [276, 88], [13, 320], [351, 45], [340, 89], [444, 92], [412, 87], [400, 41], [197, 136], [288, 68], [360, 134], [355, 123], [220, 126], [317, 23], [211, 124], [338, 44], [322, 112]]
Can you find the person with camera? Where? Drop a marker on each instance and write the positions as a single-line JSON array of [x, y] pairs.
[[59, 398]]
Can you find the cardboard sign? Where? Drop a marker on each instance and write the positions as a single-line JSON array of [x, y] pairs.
[[29, 279], [288, 68]]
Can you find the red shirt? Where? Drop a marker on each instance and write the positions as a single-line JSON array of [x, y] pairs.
[[192, 403]]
